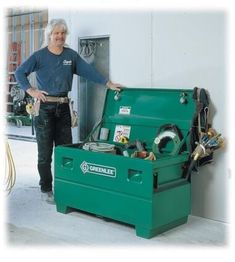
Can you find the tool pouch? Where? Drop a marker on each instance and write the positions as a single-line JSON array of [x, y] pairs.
[[74, 114], [33, 108]]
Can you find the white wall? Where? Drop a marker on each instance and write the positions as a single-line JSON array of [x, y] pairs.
[[189, 50], [168, 49]]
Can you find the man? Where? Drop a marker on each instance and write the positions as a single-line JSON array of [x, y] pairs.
[[54, 65]]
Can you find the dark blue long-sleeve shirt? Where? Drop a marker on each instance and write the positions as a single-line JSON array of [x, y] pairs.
[[54, 73]]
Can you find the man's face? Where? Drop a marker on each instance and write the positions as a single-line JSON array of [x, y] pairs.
[[58, 37]]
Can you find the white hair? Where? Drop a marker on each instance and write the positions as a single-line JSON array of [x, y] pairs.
[[51, 26]]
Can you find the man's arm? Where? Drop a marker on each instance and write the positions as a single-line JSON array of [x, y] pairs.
[[89, 72], [21, 75], [24, 70]]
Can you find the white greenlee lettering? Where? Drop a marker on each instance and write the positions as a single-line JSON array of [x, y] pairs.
[[101, 170], [98, 169]]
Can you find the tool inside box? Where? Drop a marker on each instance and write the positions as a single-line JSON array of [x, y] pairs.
[[136, 118]]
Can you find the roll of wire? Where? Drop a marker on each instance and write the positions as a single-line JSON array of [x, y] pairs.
[[10, 175], [99, 147]]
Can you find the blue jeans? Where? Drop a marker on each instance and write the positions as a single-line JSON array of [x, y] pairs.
[[53, 127]]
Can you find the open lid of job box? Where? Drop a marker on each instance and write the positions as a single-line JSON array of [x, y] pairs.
[[148, 115]]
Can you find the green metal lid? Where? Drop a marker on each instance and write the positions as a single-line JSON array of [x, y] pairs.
[[138, 113]]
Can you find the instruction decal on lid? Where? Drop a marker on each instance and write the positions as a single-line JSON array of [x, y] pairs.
[[124, 110], [122, 133]]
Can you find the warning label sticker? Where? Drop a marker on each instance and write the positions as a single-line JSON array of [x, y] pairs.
[[124, 110], [122, 133]]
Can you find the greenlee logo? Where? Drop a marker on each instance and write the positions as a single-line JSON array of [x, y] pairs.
[[98, 169]]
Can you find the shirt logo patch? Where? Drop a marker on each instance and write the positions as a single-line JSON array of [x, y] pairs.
[[67, 62]]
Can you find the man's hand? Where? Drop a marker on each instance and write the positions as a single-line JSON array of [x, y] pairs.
[[112, 86], [34, 92]]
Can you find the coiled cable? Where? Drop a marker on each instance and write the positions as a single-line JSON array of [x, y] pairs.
[[10, 175], [98, 147]]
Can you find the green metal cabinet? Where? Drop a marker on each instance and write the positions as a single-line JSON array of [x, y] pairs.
[[153, 195]]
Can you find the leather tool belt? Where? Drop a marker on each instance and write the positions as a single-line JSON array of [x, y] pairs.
[[57, 99]]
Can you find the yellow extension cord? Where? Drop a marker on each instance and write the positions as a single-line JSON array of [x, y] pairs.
[[10, 175]]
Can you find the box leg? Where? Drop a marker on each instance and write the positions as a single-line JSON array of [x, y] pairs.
[[143, 232], [62, 208], [151, 232]]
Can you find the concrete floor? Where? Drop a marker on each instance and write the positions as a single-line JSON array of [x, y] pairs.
[[30, 221]]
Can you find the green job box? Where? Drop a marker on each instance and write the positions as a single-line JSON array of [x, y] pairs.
[[134, 170]]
